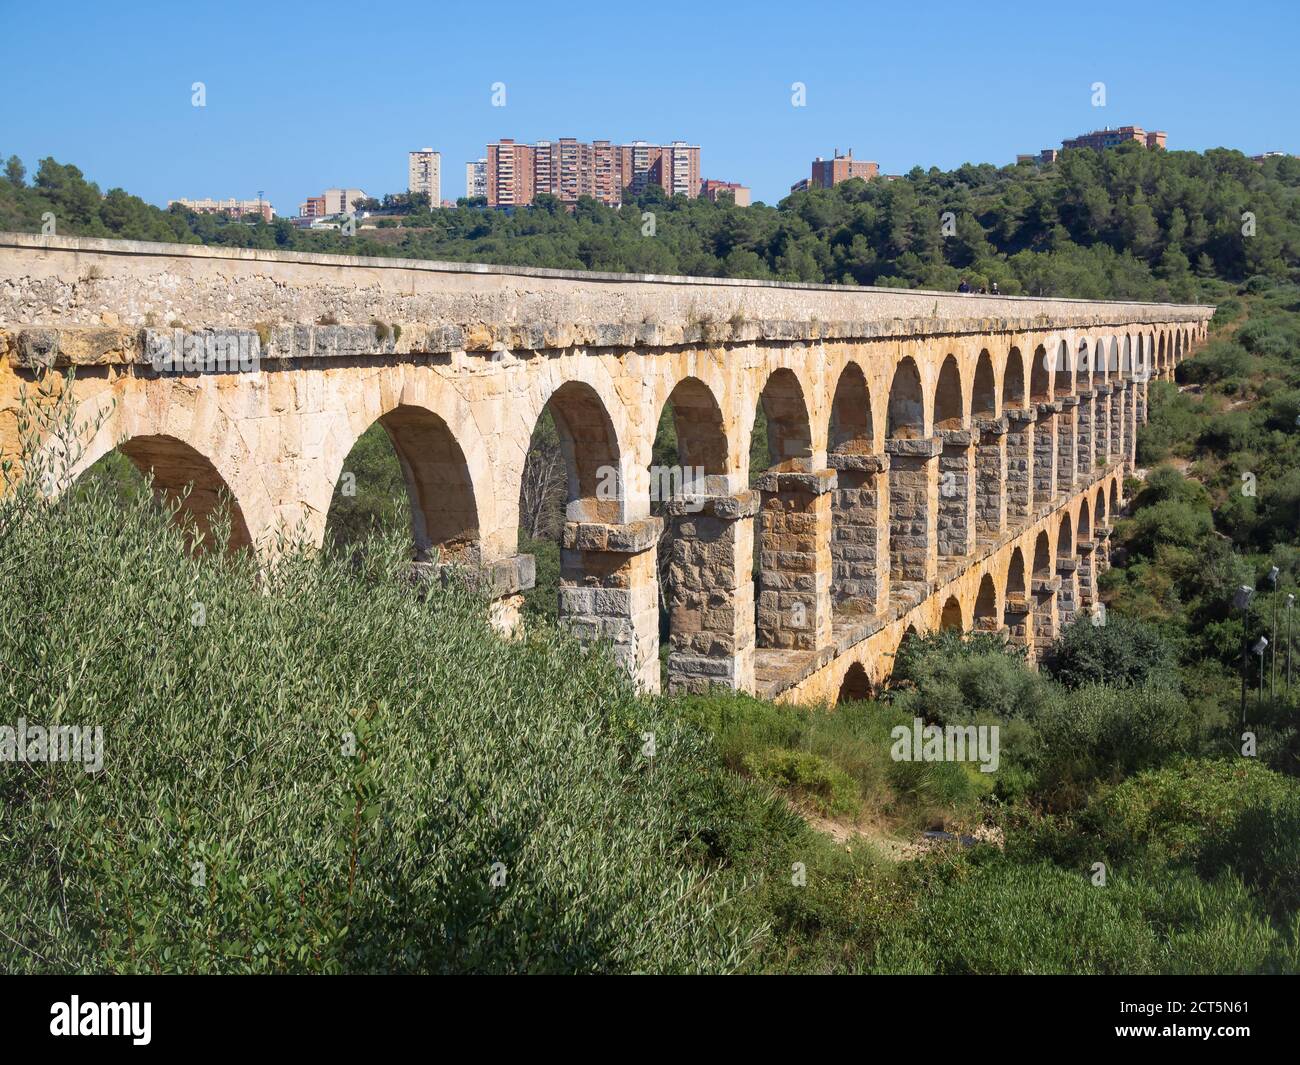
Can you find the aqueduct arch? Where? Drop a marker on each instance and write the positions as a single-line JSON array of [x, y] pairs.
[[188, 485], [444, 516], [191, 452], [987, 617], [923, 447]]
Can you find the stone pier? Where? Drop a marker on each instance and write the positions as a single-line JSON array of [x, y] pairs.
[[860, 531], [609, 591], [711, 592], [794, 566]]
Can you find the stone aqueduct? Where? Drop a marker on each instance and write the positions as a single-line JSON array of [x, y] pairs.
[[937, 459]]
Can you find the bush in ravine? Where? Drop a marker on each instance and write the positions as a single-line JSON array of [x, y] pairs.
[[1099, 734], [996, 916], [950, 676], [317, 767], [1262, 845], [1123, 652], [1170, 814]]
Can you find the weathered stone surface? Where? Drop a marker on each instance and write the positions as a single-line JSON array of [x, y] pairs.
[[922, 448], [858, 463], [626, 538], [811, 483]]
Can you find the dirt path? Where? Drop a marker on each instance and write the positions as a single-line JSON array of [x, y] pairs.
[[884, 841]]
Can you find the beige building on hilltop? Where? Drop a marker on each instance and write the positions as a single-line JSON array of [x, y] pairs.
[[234, 208]]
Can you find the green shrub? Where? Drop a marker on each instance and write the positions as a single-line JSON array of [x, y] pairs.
[[1000, 917], [1262, 845], [1097, 734], [1218, 361], [328, 773], [1167, 814], [829, 922], [957, 677], [1227, 310], [1171, 523], [1124, 652], [806, 777], [1011, 919]]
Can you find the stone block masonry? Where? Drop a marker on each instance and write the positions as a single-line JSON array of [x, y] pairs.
[[1020, 452], [860, 532], [991, 477], [955, 528], [794, 565], [711, 593], [1045, 440], [913, 510]]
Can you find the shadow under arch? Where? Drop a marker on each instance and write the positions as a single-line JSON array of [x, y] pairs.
[[188, 485], [948, 405], [439, 489], [1063, 379], [788, 425], [986, 606], [1067, 570], [700, 438], [906, 414], [1013, 381], [856, 686], [951, 617], [1040, 378], [852, 428], [984, 395], [1019, 626], [1016, 574], [1043, 600], [589, 446]]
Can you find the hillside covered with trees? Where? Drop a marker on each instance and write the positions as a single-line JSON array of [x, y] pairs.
[[1123, 224]]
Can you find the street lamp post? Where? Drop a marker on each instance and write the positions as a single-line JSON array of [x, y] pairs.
[[1290, 604], [1241, 601], [1260, 647], [1272, 683]]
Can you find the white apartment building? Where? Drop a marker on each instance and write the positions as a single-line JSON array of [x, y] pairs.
[[424, 174], [476, 178]]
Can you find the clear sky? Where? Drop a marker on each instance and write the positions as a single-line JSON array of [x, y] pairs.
[[303, 97]]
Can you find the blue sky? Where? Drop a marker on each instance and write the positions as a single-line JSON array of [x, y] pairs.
[[300, 98]]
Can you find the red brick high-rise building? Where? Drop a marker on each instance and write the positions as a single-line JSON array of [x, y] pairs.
[[674, 167], [511, 173], [827, 173], [569, 169]]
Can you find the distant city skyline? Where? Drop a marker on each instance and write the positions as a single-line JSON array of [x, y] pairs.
[[290, 111]]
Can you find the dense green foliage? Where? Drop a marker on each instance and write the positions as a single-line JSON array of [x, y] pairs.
[[1123, 651], [1126, 776]]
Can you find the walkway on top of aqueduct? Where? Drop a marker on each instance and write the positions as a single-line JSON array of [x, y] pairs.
[[936, 459]]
